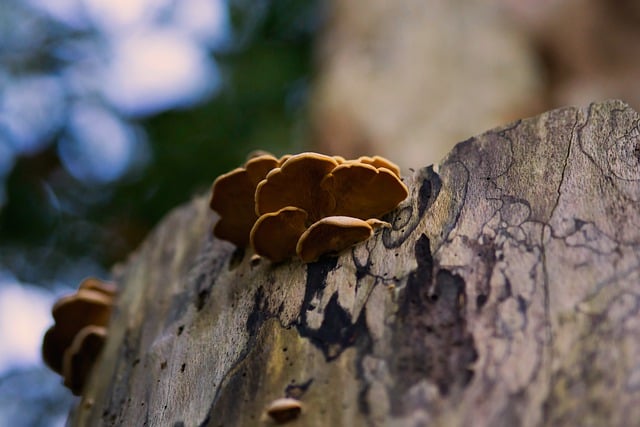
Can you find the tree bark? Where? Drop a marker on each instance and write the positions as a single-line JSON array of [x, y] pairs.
[[506, 293]]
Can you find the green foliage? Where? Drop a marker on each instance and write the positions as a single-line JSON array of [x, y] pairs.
[[53, 220]]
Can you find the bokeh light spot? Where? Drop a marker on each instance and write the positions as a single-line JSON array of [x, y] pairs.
[[31, 110], [25, 314], [157, 70], [100, 147]]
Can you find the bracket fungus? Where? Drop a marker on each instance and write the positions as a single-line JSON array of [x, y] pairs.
[[362, 190], [78, 359], [307, 204], [275, 234], [297, 183], [72, 344], [380, 162], [232, 196], [333, 234], [284, 410]]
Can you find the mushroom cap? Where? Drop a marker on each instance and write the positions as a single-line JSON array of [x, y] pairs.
[[297, 183], [364, 191], [339, 159], [284, 409], [284, 158], [80, 357], [332, 234], [380, 162], [232, 196], [257, 153], [72, 313], [54, 343], [258, 167], [107, 288], [86, 305], [275, 234]]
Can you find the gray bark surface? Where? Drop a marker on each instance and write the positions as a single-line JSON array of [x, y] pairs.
[[506, 293]]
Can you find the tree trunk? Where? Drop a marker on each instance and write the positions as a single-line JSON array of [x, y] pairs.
[[423, 74], [506, 293]]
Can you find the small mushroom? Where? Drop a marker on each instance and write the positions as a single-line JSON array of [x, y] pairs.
[[71, 345], [330, 235], [276, 234], [232, 196], [297, 183], [94, 284], [364, 191], [72, 313], [80, 357], [284, 410]]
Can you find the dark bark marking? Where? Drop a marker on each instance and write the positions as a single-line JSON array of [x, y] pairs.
[[420, 279], [178, 308], [296, 391], [236, 258], [258, 315], [481, 300], [429, 191], [206, 269], [487, 259], [201, 298], [404, 220], [316, 280], [431, 339], [336, 332], [365, 347], [506, 292]]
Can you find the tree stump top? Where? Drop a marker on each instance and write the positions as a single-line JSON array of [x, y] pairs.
[[506, 293]]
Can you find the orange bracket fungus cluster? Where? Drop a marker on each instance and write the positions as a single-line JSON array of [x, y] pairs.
[[307, 204], [71, 346]]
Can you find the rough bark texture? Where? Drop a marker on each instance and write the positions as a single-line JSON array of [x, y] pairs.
[[506, 293]]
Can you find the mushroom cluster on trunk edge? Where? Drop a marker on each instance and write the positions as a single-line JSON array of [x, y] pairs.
[[307, 204], [71, 346]]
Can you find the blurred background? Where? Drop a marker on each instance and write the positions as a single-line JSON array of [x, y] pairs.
[[112, 112]]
